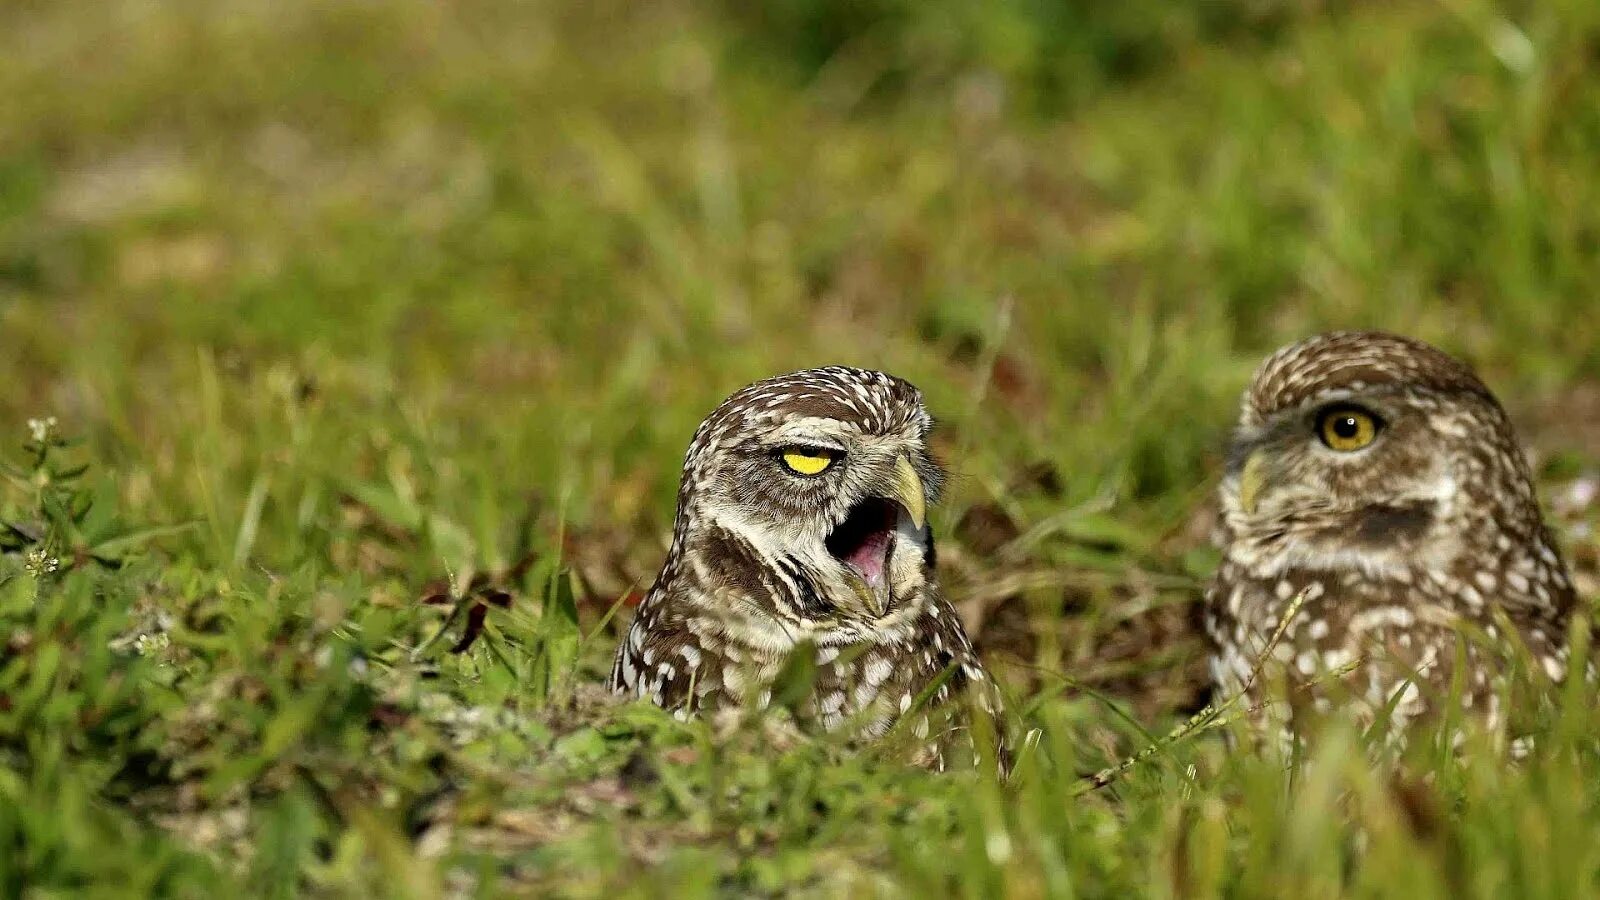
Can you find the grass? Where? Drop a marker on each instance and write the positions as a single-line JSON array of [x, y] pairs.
[[349, 307]]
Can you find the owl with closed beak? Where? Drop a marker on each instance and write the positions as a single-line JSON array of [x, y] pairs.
[[1375, 481], [801, 527]]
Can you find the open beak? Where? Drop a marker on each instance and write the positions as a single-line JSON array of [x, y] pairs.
[[909, 493], [1252, 479], [864, 541]]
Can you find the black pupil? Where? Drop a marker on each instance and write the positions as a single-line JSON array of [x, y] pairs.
[[1346, 427]]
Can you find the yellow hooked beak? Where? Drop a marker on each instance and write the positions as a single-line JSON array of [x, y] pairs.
[[909, 492], [1252, 478]]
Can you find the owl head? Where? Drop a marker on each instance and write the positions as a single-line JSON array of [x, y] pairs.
[[826, 476], [1370, 451]]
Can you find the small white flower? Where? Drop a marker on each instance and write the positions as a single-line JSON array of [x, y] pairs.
[[155, 644], [1582, 493], [42, 430], [40, 563]]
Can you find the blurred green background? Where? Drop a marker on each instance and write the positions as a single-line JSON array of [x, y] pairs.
[[538, 221], [368, 294]]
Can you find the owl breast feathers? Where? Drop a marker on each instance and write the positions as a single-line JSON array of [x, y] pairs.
[[1378, 481], [801, 527]]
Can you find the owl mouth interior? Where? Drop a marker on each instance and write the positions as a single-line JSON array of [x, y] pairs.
[[865, 537]]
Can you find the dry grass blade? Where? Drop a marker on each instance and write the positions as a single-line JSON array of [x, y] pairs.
[[1209, 715]]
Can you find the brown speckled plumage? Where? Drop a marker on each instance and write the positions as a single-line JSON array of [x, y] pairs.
[[1424, 543], [750, 575]]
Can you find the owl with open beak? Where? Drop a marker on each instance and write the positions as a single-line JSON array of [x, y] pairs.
[[802, 527]]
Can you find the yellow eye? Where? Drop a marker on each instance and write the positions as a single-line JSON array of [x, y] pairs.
[[806, 461], [1347, 428]]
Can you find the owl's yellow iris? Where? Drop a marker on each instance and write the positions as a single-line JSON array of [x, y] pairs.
[[807, 462], [1347, 428]]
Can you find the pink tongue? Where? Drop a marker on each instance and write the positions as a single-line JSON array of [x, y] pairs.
[[869, 558]]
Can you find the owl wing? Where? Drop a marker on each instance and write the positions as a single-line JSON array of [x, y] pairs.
[[672, 663]]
